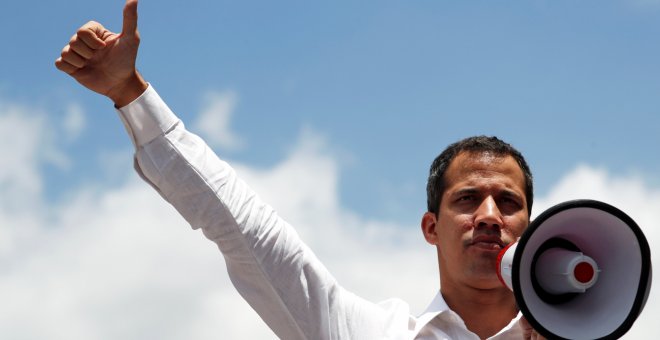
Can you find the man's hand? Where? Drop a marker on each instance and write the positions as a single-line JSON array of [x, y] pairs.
[[528, 332], [104, 61]]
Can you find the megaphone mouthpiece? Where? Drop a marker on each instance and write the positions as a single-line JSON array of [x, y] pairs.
[[561, 271]]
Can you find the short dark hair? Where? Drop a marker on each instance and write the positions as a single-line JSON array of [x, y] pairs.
[[435, 186]]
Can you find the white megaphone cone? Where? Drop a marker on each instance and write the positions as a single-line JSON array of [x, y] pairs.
[[581, 270]]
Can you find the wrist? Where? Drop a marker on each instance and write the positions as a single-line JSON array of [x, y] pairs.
[[128, 91]]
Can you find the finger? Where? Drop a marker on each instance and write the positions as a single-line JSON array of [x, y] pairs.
[[528, 331], [81, 48], [71, 57], [65, 67], [129, 27], [93, 35]]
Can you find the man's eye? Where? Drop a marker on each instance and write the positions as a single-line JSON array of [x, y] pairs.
[[511, 201], [466, 198]]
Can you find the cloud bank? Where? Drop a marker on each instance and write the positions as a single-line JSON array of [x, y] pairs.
[[121, 264]]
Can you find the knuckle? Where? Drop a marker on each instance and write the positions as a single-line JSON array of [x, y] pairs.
[[88, 28], [90, 23]]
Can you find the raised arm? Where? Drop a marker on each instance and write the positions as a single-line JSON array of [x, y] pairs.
[[104, 61], [268, 264]]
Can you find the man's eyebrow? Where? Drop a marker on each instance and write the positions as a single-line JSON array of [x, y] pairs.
[[472, 191], [465, 191], [510, 193]]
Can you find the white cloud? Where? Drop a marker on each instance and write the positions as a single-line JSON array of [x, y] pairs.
[[74, 122], [120, 263], [26, 143], [21, 140], [213, 121]]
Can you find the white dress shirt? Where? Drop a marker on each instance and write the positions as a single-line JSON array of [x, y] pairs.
[[276, 273]]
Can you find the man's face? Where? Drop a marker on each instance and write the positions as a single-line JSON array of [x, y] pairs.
[[483, 208]]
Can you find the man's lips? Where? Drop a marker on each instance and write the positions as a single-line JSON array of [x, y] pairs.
[[488, 242]]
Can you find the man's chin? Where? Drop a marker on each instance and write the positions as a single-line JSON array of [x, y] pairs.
[[489, 283], [485, 273]]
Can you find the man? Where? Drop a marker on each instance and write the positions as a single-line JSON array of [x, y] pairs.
[[480, 196]]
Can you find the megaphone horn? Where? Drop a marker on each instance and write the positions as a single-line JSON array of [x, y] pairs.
[[581, 270]]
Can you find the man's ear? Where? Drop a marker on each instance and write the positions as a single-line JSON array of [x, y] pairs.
[[429, 224]]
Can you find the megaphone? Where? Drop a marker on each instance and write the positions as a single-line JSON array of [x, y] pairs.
[[581, 270]]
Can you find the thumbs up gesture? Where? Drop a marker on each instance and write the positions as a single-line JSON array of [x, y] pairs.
[[104, 61]]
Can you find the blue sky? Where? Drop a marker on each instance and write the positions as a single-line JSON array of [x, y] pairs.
[[376, 88], [390, 83]]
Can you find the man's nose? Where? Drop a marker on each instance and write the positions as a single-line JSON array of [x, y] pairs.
[[488, 214]]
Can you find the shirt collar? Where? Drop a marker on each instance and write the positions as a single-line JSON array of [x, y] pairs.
[[436, 307], [439, 306]]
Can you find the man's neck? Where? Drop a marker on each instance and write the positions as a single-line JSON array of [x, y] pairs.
[[484, 311]]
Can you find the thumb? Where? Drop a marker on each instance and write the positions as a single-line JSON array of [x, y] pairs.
[[130, 18]]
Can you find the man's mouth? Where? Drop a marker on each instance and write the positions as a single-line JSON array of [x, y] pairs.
[[488, 242]]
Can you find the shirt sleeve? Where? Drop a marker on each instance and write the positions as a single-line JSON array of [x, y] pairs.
[[267, 262]]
